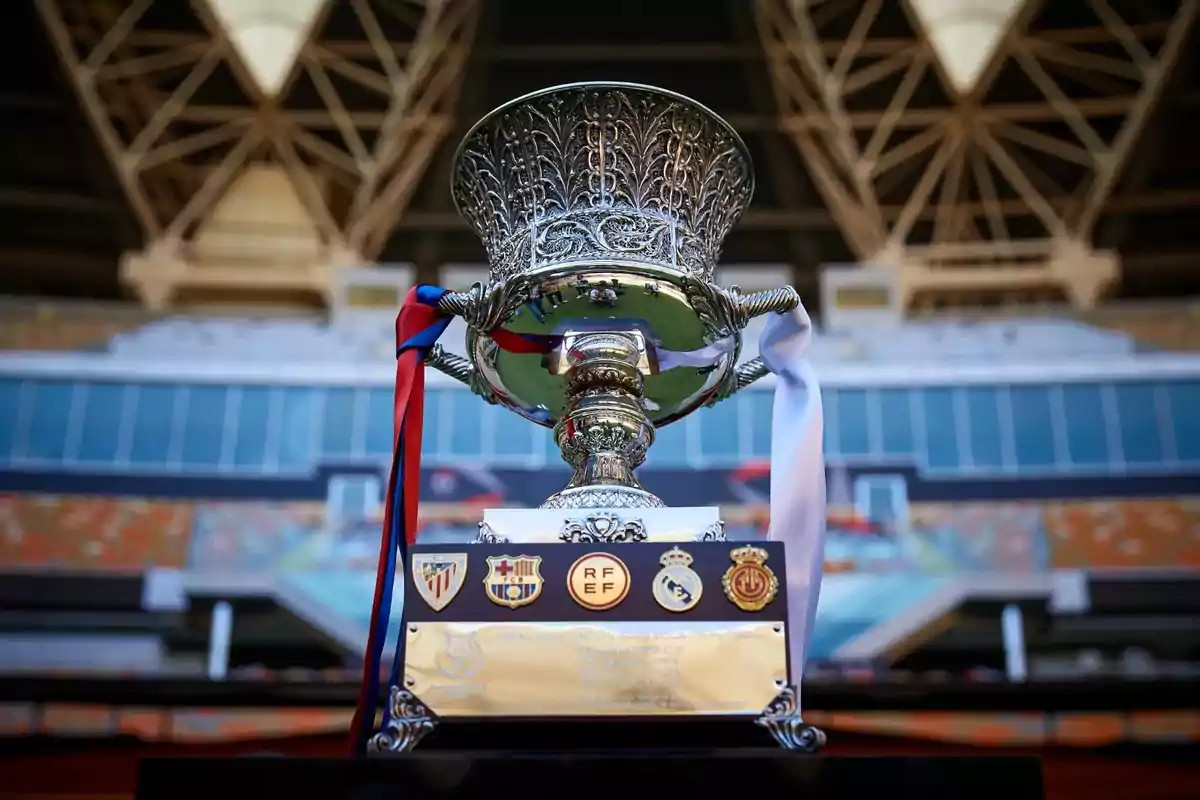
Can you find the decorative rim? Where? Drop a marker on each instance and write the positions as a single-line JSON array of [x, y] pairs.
[[720, 121]]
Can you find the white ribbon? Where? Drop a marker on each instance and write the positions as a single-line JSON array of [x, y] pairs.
[[797, 475]]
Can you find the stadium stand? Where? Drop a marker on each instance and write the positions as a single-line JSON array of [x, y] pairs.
[[93, 533], [1115, 534], [128, 332], [42, 325]]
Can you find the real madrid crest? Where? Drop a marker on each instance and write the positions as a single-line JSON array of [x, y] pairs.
[[677, 587], [437, 577], [513, 581], [749, 583]]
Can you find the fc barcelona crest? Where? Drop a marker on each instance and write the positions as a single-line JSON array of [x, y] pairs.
[[437, 577], [513, 581]]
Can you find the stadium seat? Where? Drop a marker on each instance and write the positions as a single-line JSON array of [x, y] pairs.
[[91, 533], [1132, 533]]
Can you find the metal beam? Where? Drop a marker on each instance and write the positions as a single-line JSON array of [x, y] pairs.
[[792, 192], [1155, 71], [50, 200]]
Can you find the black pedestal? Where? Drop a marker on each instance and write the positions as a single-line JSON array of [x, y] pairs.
[[677, 775]]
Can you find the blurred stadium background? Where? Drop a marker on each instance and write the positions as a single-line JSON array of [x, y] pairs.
[[209, 212]]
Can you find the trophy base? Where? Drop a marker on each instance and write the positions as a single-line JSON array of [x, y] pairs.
[[601, 525], [412, 724], [663, 773]]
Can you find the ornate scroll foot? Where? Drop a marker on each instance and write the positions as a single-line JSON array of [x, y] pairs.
[[600, 527], [782, 718], [410, 722], [488, 536], [713, 533]]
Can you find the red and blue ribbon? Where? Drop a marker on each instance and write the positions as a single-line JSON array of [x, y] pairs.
[[525, 343], [418, 327]]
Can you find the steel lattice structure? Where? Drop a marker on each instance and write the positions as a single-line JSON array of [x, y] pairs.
[[180, 113], [1044, 170], [974, 177]]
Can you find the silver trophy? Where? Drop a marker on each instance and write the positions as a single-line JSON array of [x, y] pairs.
[[602, 207]]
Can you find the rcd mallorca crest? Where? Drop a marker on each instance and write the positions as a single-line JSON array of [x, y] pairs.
[[513, 581], [437, 577]]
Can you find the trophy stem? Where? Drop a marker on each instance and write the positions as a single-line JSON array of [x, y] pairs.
[[604, 433]]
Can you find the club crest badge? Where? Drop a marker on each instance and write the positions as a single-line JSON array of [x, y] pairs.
[[437, 577], [749, 583], [677, 587], [513, 581], [598, 581]]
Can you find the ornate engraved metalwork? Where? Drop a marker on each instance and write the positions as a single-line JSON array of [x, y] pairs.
[[602, 172], [603, 529], [488, 536], [487, 307], [409, 722], [602, 497], [713, 533], [782, 719], [604, 433], [726, 310], [603, 208]]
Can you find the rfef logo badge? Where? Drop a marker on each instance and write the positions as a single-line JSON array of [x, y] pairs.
[[749, 583], [513, 581], [437, 577], [598, 581]]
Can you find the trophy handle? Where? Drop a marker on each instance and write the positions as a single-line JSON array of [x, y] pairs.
[[486, 307], [726, 310], [460, 369], [777, 301], [741, 377]]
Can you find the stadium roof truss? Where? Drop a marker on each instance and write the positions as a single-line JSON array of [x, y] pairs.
[[348, 101], [983, 139], [981, 149]]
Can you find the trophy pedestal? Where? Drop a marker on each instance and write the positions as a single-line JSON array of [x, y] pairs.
[[554, 639], [602, 525], [672, 773]]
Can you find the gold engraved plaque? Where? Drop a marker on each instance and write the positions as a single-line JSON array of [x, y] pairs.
[[557, 669]]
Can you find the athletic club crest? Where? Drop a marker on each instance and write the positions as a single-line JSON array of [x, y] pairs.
[[513, 581], [437, 577]]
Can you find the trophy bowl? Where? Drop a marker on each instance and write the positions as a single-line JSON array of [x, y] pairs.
[[603, 208]]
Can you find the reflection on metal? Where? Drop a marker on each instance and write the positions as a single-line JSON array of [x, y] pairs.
[[971, 194], [409, 722], [595, 669], [782, 719], [601, 268]]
